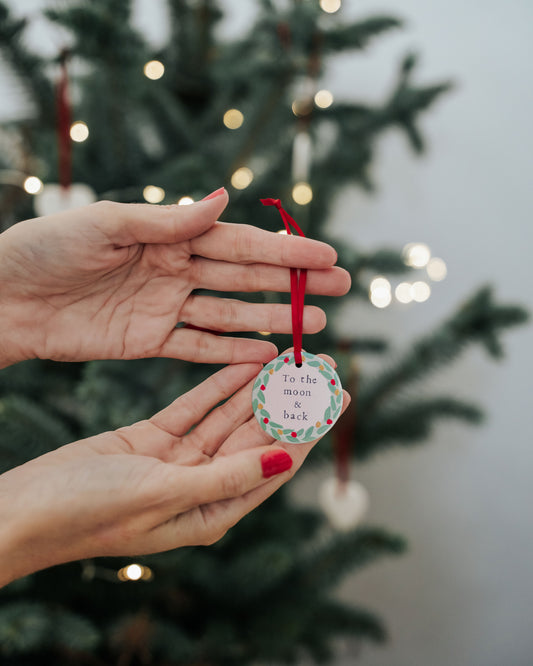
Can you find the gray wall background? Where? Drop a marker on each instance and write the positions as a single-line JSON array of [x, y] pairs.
[[463, 595]]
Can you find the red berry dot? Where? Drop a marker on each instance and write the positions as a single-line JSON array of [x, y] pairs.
[[293, 434], [265, 420], [333, 382], [286, 359], [329, 421], [263, 387]]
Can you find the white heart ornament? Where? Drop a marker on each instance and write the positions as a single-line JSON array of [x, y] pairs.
[[54, 198], [344, 504]]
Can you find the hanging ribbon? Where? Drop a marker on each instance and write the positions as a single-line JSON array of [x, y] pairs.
[[298, 281], [63, 111]]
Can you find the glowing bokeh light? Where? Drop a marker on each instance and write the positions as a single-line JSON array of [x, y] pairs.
[[436, 269], [404, 292], [79, 131], [185, 201], [323, 99], [33, 185], [241, 178], [153, 194], [421, 291], [330, 6], [154, 69], [416, 255], [233, 119], [302, 193]]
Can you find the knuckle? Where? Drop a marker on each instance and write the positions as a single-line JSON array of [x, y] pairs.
[[234, 483]]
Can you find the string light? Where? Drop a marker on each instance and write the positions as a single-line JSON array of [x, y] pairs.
[[33, 185], [416, 255], [302, 193], [185, 201], [421, 291], [79, 131], [283, 231], [241, 178], [380, 292], [330, 6], [301, 107], [265, 333], [233, 119], [323, 99], [153, 194], [404, 292], [154, 69], [135, 572], [436, 269]]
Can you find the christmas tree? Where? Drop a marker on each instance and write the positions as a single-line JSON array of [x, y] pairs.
[[170, 126]]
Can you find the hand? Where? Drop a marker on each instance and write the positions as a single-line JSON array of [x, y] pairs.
[[112, 281], [149, 487]]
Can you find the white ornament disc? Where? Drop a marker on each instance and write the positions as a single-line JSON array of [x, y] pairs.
[[297, 405], [344, 504], [54, 198]]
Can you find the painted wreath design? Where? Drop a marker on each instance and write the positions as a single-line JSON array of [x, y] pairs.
[[322, 425]]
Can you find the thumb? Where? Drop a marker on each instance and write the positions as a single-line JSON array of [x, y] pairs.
[[128, 224]]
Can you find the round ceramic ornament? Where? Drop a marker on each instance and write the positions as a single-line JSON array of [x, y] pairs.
[[297, 404]]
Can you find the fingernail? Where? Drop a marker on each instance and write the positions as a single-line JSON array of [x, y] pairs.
[[214, 194], [275, 462]]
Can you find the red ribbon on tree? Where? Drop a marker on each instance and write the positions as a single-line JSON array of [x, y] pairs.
[[298, 281], [64, 120]]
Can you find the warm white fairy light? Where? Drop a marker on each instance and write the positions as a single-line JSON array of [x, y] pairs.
[[79, 131], [380, 292], [265, 333], [283, 232], [323, 99], [153, 194], [302, 193], [135, 572], [436, 269], [416, 255], [233, 119], [421, 291], [241, 178], [330, 6], [154, 69], [185, 201], [404, 292], [33, 185]]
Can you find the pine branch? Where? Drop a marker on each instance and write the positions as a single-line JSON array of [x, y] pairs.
[[28, 66], [478, 320], [343, 553], [359, 34], [408, 423]]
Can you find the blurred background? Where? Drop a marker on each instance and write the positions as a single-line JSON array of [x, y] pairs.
[[462, 593]]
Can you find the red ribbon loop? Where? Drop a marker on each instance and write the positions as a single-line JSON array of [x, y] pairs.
[[298, 281]]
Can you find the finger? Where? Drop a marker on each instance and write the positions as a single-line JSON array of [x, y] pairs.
[[205, 486], [223, 276], [203, 347], [185, 412], [127, 224], [225, 314], [246, 244], [217, 426]]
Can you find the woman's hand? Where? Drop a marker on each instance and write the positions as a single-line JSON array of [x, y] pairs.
[[113, 280], [180, 478]]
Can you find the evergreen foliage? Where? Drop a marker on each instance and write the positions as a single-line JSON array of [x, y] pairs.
[[264, 593]]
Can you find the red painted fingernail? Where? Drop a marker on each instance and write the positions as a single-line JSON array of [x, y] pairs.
[[214, 194], [275, 462]]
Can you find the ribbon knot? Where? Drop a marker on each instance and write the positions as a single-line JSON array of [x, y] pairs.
[[298, 281]]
